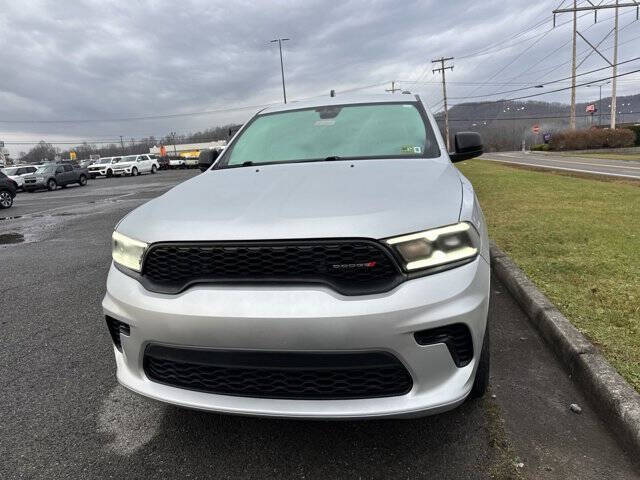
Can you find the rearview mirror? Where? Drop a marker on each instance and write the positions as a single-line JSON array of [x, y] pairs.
[[468, 145]]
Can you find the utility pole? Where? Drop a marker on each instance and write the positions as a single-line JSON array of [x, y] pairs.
[[122, 144], [442, 69], [614, 65], [173, 139], [572, 115], [280, 40], [393, 88], [614, 80]]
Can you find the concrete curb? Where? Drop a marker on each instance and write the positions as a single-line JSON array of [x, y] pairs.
[[615, 400]]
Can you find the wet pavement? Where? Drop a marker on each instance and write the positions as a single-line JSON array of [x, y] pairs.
[[64, 416]]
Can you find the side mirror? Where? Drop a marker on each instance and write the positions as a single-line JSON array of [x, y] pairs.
[[206, 159], [468, 145]]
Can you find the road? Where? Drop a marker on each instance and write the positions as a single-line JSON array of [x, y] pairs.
[[64, 416], [591, 165]]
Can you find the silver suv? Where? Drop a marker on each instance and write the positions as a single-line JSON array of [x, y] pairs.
[[332, 263]]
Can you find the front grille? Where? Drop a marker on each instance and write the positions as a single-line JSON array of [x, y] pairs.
[[456, 337], [351, 267], [287, 375]]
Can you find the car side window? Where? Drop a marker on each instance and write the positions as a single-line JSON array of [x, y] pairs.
[[68, 168], [59, 169]]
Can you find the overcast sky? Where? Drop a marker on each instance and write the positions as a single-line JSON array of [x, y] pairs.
[[96, 60]]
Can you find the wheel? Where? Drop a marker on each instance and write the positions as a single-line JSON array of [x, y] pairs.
[[82, 181], [481, 382], [6, 200], [109, 173], [51, 184], [134, 172], [153, 169]]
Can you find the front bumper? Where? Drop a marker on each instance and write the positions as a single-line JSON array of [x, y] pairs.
[[308, 318], [37, 185]]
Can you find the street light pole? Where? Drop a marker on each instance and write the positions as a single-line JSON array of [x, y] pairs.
[[600, 85], [280, 40]]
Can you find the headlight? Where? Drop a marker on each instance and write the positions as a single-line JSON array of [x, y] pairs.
[[40, 179], [127, 251], [436, 247]]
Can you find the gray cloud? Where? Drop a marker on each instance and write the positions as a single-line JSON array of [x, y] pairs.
[[112, 59]]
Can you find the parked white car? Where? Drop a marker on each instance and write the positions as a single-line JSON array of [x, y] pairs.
[[104, 167], [177, 163], [136, 164], [18, 173]]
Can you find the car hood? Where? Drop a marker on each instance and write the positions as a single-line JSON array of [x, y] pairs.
[[366, 198]]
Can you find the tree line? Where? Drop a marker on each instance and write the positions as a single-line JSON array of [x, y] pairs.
[[44, 151]]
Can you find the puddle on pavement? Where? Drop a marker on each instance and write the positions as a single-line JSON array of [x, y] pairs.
[[8, 238], [11, 218]]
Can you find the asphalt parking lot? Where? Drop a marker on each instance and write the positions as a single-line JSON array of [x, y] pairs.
[[64, 415]]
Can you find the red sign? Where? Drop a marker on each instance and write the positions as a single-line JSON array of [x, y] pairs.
[[536, 129], [591, 108]]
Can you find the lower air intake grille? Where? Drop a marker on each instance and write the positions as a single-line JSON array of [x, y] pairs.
[[456, 337], [349, 266], [116, 328], [284, 375]]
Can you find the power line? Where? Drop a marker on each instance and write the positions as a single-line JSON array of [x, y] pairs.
[[145, 117], [553, 91], [545, 83]]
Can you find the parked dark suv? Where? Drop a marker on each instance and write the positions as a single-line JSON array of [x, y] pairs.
[[52, 175], [7, 191]]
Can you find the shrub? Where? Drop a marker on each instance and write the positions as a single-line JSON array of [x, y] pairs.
[[541, 147], [594, 138]]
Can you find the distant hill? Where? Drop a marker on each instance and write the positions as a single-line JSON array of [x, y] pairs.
[[504, 124]]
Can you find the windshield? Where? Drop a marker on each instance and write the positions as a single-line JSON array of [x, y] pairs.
[[129, 158], [104, 160], [45, 168], [10, 171], [388, 130]]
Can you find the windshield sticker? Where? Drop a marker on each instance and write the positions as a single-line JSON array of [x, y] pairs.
[[325, 123], [410, 149]]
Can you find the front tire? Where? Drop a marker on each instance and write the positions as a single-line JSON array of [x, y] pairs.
[[153, 169], [109, 173], [51, 185], [481, 382], [6, 200], [134, 172], [82, 181]]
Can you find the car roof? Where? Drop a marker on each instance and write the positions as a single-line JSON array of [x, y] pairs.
[[341, 100]]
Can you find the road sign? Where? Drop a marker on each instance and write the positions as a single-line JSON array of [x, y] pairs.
[[591, 109], [536, 129]]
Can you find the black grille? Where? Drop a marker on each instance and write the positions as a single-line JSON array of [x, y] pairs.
[[279, 374], [117, 327], [351, 267], [456, 337]]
